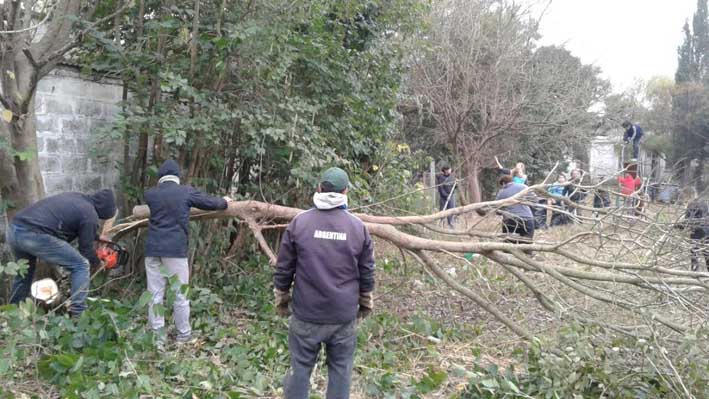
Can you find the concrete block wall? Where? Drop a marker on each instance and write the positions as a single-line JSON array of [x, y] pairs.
[[69, 110], [603, 160]]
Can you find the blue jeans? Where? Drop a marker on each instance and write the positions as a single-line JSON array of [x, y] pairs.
[[636, 147], [304, 341], [29, 245]]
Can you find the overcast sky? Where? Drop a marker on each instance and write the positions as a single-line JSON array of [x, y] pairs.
[[628, 39]]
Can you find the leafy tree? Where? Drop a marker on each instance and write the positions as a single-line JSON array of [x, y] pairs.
[[559, 117], [256, 97], [689, 102], [36, 36], [485, 87]]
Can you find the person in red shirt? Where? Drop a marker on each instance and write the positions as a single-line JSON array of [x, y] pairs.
[[629, 185]]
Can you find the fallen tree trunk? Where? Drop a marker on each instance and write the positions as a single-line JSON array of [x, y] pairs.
[[649, 276]]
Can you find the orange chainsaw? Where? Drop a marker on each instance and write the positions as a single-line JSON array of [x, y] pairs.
[[111, 254]]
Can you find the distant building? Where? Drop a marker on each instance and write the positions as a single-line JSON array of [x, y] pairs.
[[607, 158]]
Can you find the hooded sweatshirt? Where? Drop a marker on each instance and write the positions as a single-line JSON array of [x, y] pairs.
[[68, 216], [329, 254], [634, 132], [170, 203], [629, 184]]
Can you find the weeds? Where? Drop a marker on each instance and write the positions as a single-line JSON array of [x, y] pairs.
[[242, 353]]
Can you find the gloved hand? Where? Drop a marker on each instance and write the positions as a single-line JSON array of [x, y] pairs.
[[366, 304], [282, 299]]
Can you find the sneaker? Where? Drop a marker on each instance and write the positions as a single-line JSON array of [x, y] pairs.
[[160, 339], [160, 346], [188, 340]]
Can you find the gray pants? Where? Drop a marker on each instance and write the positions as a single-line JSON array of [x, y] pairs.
[[156, 286], [304, 341]]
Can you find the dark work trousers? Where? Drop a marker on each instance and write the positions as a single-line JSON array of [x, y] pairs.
[[636, 147], [700, 247], [304, 342], [522, 226], [450, 205]]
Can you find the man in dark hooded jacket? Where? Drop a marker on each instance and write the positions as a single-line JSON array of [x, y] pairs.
[[329, 254], [45, 229], [167, 243], [446, 183]]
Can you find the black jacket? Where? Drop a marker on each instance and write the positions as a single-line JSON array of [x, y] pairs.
[[69, 216], [170, 203], [330, 255], [697, 218], [445, 186], [574, 192]]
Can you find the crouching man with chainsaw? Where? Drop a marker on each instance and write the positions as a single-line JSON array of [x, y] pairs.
[[45, 229], [167, 244], [329, 254]]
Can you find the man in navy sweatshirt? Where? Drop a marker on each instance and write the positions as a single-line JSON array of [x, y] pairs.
[[167, 244], [633, 133], [329, 254], [45, 229]]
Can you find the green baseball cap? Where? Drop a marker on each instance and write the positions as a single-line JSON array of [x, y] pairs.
[[334, 179]]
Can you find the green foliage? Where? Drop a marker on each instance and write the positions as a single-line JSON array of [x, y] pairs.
[[576, 366], [661, 144], [242, 349], [14, 268], [559, 122], [393, 183], [273, 95], [690, 101]]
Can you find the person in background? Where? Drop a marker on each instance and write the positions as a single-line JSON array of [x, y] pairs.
[[516, 218], [601, 198], [696, 218], [45, 230], [518, 173], [629, 185], [558, 189], [633, 133], [574, 191], [329, 254], [446, 192], [167, 245]]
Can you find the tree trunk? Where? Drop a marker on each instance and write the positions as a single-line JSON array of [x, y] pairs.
[[473, 192], [698, 178], [22, 182]]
